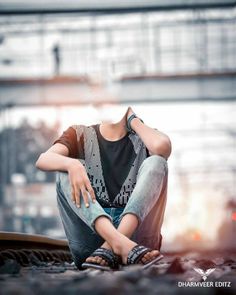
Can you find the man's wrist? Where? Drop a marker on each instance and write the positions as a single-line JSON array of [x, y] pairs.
[[71, 162], [131, 123], [135, 123]]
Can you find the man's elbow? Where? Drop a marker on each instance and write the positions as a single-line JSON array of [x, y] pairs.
[[162, 147], [38, 163]]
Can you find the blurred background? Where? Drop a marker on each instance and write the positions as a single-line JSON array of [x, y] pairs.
[[78, 62]]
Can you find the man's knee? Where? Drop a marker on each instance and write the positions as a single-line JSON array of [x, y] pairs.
[[62, 179], [155, 164], [63, 187]]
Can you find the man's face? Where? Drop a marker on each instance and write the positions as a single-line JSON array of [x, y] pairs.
[[112, 113]]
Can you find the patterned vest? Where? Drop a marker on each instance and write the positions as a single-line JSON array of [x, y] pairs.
[[92, 163]]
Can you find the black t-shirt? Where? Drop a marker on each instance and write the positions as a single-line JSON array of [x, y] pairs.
[[116, 157]]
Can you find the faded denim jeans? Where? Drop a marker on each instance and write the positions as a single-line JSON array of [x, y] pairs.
[[147, 202]]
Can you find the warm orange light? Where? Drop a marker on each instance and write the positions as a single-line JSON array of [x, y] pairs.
[[233, 216], [196, 236]]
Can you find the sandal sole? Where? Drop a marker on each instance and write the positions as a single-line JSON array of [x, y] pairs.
[[87, 265]]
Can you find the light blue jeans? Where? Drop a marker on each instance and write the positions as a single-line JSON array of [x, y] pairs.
[[147, 202]]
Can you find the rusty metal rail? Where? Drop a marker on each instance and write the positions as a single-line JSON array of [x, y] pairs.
[[33, 249]]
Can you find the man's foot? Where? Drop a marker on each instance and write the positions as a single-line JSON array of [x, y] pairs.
[[97, 259], [126, 245], [123, 249]]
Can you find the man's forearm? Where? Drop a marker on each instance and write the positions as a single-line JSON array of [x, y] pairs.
[[50, 161], [156, 142]]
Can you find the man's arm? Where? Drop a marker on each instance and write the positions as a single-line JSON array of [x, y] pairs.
[[62, 153], [156, 142], [56, 159]]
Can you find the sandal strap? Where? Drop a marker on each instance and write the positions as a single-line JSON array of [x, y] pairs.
[[111, 258], [137, 253]]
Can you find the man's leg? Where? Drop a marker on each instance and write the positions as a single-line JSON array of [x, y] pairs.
[[87, 228], [148, 201], [78, 222], [117, 241], [144, 210]]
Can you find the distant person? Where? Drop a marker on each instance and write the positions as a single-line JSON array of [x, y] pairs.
[[57, 59], [111, 190]]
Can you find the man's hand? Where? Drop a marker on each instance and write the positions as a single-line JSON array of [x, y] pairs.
[[80, 184], [129, 113], [155, 141]]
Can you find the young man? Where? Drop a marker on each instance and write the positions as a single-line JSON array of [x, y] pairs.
[[111, 191]]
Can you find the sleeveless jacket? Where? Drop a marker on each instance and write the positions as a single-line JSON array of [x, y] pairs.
[[92, 162]]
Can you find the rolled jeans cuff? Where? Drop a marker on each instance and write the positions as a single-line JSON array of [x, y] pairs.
[[87, 215]]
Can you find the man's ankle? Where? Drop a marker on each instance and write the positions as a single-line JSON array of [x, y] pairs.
[[106, 245], [120, 244], [116, 243]]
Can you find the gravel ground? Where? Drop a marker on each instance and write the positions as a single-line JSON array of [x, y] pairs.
[[174, 274]]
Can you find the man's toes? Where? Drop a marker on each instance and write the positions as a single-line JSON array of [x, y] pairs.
[[103, 262], [149, 256], [144, 259], [98, 259], [93, 259], [155, 253], [90, 259]]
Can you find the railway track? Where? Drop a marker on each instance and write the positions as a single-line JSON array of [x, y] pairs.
[[29, 249]]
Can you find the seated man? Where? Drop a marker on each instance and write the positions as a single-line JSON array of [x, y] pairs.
[[111, 191]]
